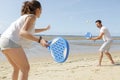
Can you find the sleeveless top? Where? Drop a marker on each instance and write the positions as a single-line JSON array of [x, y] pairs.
[[12, 32]]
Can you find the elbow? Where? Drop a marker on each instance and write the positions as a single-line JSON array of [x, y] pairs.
[[22, 34], [98, 38]]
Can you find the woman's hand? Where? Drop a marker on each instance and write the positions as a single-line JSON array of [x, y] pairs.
[[48, 27], [44, 43]]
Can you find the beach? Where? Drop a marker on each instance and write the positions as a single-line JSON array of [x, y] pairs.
[[77, 67], [80, 65]]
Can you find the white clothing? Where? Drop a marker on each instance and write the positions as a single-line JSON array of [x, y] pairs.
[[106, 38], [106, 32], [105, 46], [12, 32]]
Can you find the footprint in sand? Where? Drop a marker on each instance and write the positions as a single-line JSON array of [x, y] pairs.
[[96, 70], [4, 77]]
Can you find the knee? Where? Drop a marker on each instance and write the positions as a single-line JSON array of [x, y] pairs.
[[106, 52], [101, 52], [16, 69], [101, 55], [25, 69]]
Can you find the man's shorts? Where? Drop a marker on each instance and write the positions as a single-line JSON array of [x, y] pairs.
[[105, 46]]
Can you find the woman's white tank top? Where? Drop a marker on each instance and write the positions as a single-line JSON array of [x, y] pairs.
[[12, 32]]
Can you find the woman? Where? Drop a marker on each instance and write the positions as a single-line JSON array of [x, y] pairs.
[[20, 33]]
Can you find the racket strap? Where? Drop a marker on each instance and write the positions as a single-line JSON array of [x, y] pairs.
[[40, 39]]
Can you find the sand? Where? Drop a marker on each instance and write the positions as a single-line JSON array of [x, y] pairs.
[[77, 67]]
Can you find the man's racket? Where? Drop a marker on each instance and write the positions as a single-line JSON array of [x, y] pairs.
[[88, 35], [59, 49]]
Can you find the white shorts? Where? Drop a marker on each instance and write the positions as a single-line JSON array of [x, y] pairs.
[[6, 43], [105, 46]]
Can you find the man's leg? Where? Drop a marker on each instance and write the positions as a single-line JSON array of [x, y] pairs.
[[109, 56], [100, 58]]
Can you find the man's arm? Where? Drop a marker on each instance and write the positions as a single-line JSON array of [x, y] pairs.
[[98, 37]]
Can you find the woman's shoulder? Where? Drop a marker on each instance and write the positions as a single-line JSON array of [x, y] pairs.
[[29, 15]]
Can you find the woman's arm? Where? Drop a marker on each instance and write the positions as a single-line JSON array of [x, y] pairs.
[[27, 25], [24, 31], [42, 29]]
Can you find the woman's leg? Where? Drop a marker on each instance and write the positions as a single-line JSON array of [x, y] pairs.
[[17, 55], [15, 67]]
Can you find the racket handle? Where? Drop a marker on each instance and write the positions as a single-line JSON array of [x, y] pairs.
[[49, 42]]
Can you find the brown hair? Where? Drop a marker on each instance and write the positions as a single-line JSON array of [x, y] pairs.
[[29, 7]]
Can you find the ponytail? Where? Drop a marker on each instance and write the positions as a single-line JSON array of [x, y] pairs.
[[29, 7]]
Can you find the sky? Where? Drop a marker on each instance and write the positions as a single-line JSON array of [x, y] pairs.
[[67, 17]]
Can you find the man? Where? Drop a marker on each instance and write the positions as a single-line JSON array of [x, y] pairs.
[[105, 34]]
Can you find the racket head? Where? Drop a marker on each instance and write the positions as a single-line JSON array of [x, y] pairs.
[[88, 35], [59, 49]]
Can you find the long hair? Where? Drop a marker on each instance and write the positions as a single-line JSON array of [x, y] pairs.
[[29, 7]]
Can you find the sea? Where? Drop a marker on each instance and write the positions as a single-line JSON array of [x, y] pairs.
[[77, 45]]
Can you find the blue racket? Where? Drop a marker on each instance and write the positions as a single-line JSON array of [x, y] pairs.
[[88, 35], [59, 49]]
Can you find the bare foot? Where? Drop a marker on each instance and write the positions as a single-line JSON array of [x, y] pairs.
[[112, 62]]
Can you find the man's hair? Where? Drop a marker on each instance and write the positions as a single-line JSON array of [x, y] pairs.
[[98, 21]]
